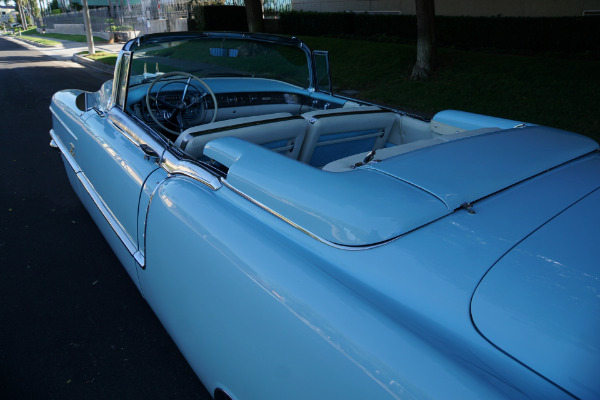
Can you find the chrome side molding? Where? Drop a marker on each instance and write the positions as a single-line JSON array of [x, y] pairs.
[[129, 244]]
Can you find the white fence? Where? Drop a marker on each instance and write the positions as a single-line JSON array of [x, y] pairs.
[[148, 16]]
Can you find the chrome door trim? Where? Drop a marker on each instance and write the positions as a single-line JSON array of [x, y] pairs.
[[142, 251], [176, 166], [102, 207], [56, 143], [63, 123], [168, 161], [138, 136]]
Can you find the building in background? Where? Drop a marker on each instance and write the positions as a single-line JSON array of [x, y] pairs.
[[6, 12], [474, 8]]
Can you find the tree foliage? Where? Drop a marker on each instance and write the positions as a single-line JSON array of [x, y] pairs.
[[34, 8]]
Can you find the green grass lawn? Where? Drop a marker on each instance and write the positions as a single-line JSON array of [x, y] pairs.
[[42, 41], [73, 38], [547, 90], [101, 56], [62, 36], [30, 31]]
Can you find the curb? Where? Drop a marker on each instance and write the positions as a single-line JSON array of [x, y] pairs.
[[93, 64]]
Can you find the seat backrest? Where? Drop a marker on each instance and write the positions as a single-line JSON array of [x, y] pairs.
[[353, 161], [281, 132], [337, 133]]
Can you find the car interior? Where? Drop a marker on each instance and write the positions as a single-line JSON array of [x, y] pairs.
[[313, 127], [335, 139]]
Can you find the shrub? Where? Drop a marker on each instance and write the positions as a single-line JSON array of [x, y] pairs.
[[562, 34]]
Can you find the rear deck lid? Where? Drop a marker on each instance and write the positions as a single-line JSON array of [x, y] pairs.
[[469, 169], [378, 202], [541, 302]]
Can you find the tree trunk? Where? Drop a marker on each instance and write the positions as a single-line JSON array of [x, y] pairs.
[[426, 50], [22, 14], [254, 15], [88, 28]]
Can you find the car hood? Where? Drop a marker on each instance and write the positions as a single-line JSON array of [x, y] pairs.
[[381, 201], [540, 303]]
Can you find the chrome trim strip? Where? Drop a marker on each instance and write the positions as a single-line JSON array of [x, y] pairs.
[[140, 259], [132, 131], [108, 215], [350, 139], [173, 165], [104, 210], [168, 161], [118, 123], [284, 148], [115, 83], [63, 150], [316, 117], [303, 230], [62, 123], [142, 252]]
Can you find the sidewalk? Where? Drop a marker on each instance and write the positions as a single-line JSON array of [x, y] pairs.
[[69, 49]]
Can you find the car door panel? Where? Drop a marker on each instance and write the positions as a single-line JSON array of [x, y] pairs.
[[110, 168]]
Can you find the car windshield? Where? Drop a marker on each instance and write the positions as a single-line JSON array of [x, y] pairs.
[[222, 57]]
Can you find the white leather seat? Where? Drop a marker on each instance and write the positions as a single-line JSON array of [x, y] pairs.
[[280, 132], [351, 162], [340, 132]]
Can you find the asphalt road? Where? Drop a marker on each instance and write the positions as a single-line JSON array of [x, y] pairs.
[[72, 324]]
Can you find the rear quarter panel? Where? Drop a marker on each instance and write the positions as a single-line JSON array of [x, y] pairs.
[[253, 313], [218, 285]]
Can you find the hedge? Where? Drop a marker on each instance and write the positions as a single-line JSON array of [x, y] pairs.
[[562, 34], [218, 18]]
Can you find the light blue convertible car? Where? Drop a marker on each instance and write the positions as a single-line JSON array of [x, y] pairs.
[[301, 245]]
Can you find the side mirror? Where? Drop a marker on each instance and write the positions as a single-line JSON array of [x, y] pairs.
[[86, 101], [322, 71]]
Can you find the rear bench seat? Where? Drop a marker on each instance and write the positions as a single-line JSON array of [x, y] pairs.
[[280, 132], [337, 133], [351, 162]]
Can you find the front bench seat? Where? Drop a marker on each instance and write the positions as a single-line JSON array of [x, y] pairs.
[[280, 132]]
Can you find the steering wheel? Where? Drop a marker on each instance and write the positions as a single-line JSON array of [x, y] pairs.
[[173, 112]]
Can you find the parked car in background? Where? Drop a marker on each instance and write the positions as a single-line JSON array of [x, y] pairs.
[[297, 244]]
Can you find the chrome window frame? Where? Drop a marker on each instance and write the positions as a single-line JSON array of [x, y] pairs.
[[123, 79]]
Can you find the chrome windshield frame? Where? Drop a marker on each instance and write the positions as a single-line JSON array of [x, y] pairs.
[[158, 38]]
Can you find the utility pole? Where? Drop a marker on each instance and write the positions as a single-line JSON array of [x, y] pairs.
[[88, 28]]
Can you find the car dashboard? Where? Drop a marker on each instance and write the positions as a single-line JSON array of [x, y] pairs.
[[259, 98]]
